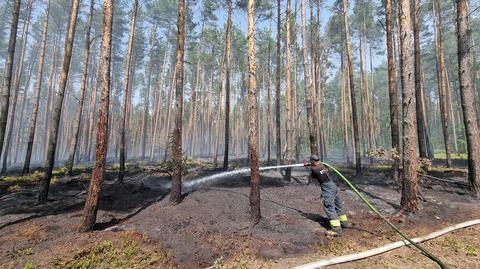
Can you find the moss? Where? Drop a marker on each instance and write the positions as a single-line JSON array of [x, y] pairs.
[[452, 242], [471, 251], [29, 265]]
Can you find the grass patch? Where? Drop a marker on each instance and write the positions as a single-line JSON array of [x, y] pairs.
[[455, 156], [121, 253], [30, 179]]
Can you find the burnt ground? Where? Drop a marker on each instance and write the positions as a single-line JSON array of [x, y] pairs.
[[211, 225]]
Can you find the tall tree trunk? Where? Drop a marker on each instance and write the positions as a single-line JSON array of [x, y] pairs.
[[269, 98], [227, 83], [219, 102], [169, 111], [24, 101], [91, 117], [16, 87], [467, 95], [343, 107], [422, 145], [442, 82], [50, 93], [95, 188], [146, 100], [159, 107], [176, 191], [278, 85], [409, 180], [52, 142], [426, 108], [288, 95], [7, 79], [126, 94], [255, 214], [83, 86], [392, 92], [356, 146], [311, 119]]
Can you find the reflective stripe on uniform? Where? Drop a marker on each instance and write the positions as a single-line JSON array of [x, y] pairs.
[[343, 217], [334, 222]]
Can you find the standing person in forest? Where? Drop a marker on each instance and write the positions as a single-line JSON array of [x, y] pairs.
[[331, 201]]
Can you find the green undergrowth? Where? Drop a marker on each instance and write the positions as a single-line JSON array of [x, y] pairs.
[[122, 253], [455, 156]]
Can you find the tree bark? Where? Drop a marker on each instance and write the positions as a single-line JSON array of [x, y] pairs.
[[16, 87], [52, 142], [356, 144], [269, 98], [146, 99], [467, 95], [422, 145], [176, 191], [83, 86], [95, 188], [219, 102], [159, 107], [409, 201], [7, 79], [38, 89], [311, 119], [442, 82], [255, 214], [392, 92], [278, 85], [227, 84], [123, 120], [288, 95]]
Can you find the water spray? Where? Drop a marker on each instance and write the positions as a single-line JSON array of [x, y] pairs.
[[200, 181], [375, 210]]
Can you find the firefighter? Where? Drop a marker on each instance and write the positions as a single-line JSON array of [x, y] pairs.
[[331, 200]]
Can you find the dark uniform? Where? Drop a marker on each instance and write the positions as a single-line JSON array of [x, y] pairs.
[[331, 199]]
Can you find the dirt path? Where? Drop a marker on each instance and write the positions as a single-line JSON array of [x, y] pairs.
[[211, 226]]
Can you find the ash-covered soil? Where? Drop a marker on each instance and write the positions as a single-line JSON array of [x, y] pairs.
[[211, 225]]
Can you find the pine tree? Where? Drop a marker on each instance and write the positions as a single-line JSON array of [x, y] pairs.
[[95, 188]]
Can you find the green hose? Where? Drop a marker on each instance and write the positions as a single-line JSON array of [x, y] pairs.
[[424, 251]]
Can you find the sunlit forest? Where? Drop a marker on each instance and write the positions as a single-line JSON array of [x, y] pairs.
[[239, 134]]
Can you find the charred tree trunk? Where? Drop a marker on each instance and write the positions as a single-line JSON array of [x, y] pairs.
[[278, 138], [422, 144], [467, 95], [409, 176], [288, 95], [269, 100], [219, 102], [52, 142], [95, 188], [123, 120], [442, 82], [392, 92], [255, 214], [7, 79], [176, 191], [227, 84], [356, 146], [146, 99], [16, 87], [311, 119], [83, 86]]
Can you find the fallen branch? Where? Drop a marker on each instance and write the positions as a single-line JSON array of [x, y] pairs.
[[385, 248]]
